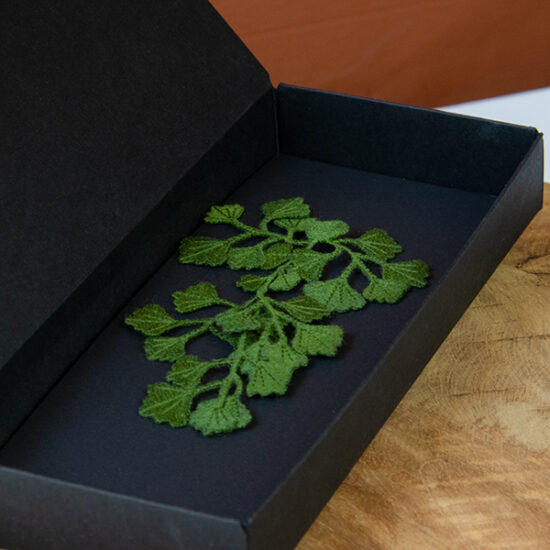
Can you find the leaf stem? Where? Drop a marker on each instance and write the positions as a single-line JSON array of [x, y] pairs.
[[228, 303], [233, 376], [218, 362], [356, 261], [192, 322], [208, 387], [197, 332], [263, 231]]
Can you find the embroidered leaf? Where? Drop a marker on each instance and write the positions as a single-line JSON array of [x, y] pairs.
[[292, 224], [305, 308], [219, 415], [195, 297], [411, 273], [203, 251], [161, 348], [268, 338], [167, 403], [246, 257], [385, 291], [234, 320], [265, 378], [187, 371], [318, 231], [278, 352], [318, 339], [166, 348], [276, 255], [309, 264], [226, 213], [251, 282], [378, 245], [286, 279], [270, 366], [152, 320], [281, 353], [335, 294], [285, 208]]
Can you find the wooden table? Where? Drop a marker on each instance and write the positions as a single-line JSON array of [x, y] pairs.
[[464, 460]]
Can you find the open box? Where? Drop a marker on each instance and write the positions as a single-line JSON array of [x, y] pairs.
[[78, 466]]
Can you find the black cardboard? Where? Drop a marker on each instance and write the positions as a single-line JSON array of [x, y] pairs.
[[86, 471], [422, 145], [113, 120], [46, 514]]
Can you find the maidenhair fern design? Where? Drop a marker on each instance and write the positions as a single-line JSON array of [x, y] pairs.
[[269, 337]]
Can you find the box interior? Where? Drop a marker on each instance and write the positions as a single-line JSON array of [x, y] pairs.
[[87, 429]]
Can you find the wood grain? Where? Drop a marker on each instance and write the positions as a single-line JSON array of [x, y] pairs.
[[464, 460], [421, 52]]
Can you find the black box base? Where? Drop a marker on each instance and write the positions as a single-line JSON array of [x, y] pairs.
[[87, 430]]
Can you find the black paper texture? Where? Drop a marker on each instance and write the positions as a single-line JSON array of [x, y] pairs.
[[106, 106]]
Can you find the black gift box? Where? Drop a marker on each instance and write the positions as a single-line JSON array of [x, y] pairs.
[[123, 123]]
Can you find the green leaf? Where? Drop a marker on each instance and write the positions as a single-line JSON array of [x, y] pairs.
[[276, 255], [166, 348], [413, 273], [385, 291], [196, 297], [321, 231], [203, 251], [309, 264], [318, 339], [234, 320], [335, 294], [378, 245], [281, 353], [246, 257], [277, 352], [305, 308], [226, 213], [187, 371], [286, 279], [219, 415], [266, 378], [251, 282], [291, 224], [285, 208], [269, 366], [151, 320], [167, 403]]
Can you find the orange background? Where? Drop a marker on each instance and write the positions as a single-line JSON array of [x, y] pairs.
[[422, 52]]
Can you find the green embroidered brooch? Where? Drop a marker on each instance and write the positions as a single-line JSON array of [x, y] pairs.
[[269, 338]]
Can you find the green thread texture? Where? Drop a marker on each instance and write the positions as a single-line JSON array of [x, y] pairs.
[[269, 338]]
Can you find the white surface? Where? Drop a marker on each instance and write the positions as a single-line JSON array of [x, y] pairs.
[[530, 108]]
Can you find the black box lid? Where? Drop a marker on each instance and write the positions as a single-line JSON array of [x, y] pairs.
[[105, 105]]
